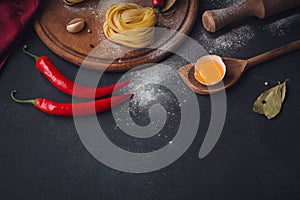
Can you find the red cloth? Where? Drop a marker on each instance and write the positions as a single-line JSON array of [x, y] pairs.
[[14, 15]]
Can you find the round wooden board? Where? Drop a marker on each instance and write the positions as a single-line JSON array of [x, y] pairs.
[[94, 49]]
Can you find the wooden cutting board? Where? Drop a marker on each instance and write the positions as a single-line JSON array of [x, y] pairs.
[[93, 48]]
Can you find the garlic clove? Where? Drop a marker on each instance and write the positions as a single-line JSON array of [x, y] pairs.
[[75, 25]]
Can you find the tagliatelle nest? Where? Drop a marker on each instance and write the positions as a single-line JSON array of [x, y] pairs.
[[130, 25]]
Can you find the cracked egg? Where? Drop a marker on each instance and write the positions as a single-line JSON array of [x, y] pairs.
[[209, 70]]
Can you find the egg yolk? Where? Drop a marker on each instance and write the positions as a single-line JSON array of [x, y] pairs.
[[209, 72]]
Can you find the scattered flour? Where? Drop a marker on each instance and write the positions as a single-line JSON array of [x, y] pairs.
[[82, 8], [140, 81], [282, 26], [217, 4], [149, 88], [229, 41], [237, 38]]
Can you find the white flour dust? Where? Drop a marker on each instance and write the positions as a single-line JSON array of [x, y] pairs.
[[231, 41], [282, 26], [149, 88], [140, 81], [218, 4], [237, 38]]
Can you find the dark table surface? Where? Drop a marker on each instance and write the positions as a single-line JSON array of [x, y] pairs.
[[42, 156]]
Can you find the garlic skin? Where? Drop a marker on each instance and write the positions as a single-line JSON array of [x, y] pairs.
[[75, 25]]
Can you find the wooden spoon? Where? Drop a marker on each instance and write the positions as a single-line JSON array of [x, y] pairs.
[[234, 69]]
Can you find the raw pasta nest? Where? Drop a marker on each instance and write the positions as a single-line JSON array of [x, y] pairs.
[[130, 25]]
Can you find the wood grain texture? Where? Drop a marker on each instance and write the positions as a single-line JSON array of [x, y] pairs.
[[93, 50], [213, 20], [235, 68]]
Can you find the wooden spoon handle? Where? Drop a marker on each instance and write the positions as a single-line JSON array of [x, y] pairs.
[[214, 20], [280, 51]]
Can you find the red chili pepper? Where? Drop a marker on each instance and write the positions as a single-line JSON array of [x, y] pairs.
[[73, 109], [157, 4], [48, 69]]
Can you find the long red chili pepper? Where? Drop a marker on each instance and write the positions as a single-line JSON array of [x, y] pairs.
[[48, 69], [157, 4], [74, 109]]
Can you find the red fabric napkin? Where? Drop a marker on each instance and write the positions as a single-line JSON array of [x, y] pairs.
[[14, 15]]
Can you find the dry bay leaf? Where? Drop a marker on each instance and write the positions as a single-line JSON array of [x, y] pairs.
[[270, 102]]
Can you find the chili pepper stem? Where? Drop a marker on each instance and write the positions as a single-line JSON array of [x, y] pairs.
[[157, 10], [25, 47], [32, 101]]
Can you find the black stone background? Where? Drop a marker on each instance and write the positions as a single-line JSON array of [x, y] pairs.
[[42, 157]]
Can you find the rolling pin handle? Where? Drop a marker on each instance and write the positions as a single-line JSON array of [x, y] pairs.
[[213, 20]]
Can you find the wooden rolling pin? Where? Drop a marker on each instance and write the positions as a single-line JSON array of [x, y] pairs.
[[213, 20]]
